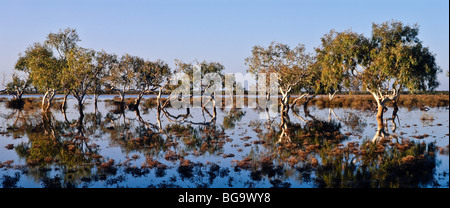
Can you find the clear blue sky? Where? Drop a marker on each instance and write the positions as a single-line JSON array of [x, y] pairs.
[[219, 30]]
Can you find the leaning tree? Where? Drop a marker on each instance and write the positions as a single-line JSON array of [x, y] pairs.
[[391, 60]]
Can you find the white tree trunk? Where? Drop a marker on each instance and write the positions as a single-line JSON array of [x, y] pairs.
[[382, 99], [44, 99], [50, 97]]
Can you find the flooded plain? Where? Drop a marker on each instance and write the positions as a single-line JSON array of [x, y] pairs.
[[319, 147]]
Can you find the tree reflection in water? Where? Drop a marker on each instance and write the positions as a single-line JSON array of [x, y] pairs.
[[168, 146]]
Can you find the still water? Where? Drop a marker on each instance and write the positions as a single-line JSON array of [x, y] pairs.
[[226, 148]]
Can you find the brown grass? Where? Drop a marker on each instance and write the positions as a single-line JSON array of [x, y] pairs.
[[364, 102], [367, 102]]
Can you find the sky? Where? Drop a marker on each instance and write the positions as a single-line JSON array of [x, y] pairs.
[[221, 30]]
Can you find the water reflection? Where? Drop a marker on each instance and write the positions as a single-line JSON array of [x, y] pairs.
[[210, 147]]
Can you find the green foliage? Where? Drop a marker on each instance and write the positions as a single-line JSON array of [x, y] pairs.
[[79, 74], [152, 75], [123, 72], [337, 58], [17, 86], [293, 66], [205, 68], [44, 68], [63, 41], [393, 58]]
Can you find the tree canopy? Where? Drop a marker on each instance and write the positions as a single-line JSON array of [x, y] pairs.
[[391, 60], [292, 66], [388, 61]]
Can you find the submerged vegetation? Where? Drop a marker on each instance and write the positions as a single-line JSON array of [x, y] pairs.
[[234, 152]]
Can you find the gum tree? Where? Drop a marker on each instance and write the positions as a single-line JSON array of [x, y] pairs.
[[292, 67], [205, 68], [204, 77], [44, 69], [208, 83], [19, 84], [151, 76], [391, 60], [79, 73], [17, 87], [122, 74], [103, 63], [62, 43]]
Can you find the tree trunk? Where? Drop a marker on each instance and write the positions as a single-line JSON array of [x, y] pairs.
[[63, 106], [49, 99], [19, 94], [44, 99], [380, 130], [65, 117], [137, 101], [307, 99], [380, 103], [382, 99], [285, 105], [284, 136], [80, 105], [305, 105], [158, 100], [95, 102], [158, 119], [331, 96], [395, 104], [122, 97], [80, 111], [380, 112], [214, 110]]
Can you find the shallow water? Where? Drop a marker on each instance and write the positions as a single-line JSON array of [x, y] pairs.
[[239, 148]]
